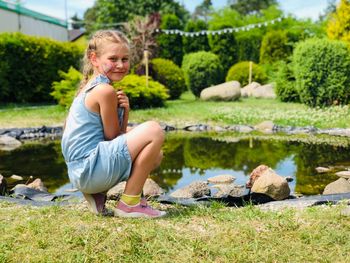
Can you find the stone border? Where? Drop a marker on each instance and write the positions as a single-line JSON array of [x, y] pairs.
[[264, 127]]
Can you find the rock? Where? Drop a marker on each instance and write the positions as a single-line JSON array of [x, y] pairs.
[[265, 126], [151, 188], [255, 174], [3, 185], [321, 170], [337, 187], [8, 143], [194, 190], [228, 189], [227, 91], [16, 177], [272, 185], [344, 174], [265, 91], [72, 190], [247, 91], [289, 179], [345, 211], [116, 191], [221, 179], [37, 184]]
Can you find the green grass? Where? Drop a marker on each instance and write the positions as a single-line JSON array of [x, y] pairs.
[[198, 234], [188, 110]]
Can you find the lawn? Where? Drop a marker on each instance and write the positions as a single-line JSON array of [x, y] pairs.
[[188, 110], [196, 234]]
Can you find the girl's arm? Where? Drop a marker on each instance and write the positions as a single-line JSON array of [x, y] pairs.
[[123, 102], [107, 100]]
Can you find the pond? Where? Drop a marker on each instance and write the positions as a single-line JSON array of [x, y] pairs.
[[195, 156]]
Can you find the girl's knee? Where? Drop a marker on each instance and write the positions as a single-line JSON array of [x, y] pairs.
[[155, 130]]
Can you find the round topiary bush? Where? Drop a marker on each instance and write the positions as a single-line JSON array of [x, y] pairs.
[[322, 72], [240, 72], [202, 69], [167, 73], [139, 95], [134, 86]]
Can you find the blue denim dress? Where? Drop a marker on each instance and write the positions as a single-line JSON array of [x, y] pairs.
[[94, 165]]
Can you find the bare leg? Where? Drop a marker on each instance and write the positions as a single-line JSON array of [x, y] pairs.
[[144, 144]]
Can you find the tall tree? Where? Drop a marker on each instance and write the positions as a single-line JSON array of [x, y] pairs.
[[114, 13], [77, 23], [245, 7], [141, 31], [339, 23], [203, 10]]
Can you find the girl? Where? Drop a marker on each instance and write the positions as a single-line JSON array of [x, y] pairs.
[[97, 148]]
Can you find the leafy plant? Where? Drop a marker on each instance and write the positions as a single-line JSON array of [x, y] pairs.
[[240, 72], [202, 69], [322, 72], [167, 73]]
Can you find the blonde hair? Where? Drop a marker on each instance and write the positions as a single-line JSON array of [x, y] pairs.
[[95, 45]]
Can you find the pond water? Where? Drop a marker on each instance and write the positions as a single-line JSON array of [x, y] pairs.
[[191, 157]]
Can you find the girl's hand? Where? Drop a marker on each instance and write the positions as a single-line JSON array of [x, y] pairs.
[[123, 100]]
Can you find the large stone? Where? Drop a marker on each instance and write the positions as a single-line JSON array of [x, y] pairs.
[[116, 191], [321, 170], [221, 179], [337, 187], [255, 174], [38, 185], [265, 91], [343, 174], [151, 188], [248, 90], [228, 189], [8, 143], [265, 126], [272, 185], [193, 190], [227, 91]]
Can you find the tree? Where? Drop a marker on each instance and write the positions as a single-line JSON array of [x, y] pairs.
[[141, 31], [339, 23], [203, 10], [197, 43], [250, 6], [114, 13], [331, 8], [77, 23], [170, 45]]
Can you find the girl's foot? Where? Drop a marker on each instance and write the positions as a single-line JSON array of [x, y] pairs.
[[96, 202], [140, 210]]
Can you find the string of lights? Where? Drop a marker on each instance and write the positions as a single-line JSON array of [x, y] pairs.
[[221, 31]]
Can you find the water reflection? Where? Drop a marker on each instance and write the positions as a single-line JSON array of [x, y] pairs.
[[188, 158]]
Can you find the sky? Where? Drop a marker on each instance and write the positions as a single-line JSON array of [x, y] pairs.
[[60, 8]]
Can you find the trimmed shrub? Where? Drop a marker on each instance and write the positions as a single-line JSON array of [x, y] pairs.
[[322, 72], [167, 73], [30, 64], [139, 95], [275, 46], [134, 86], [225, 46], [197, 43], [286, 89], [170, 45], [240, 72], [64, 90], [202, 69]]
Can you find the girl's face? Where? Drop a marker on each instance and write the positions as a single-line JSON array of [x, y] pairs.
[[113, 61]]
